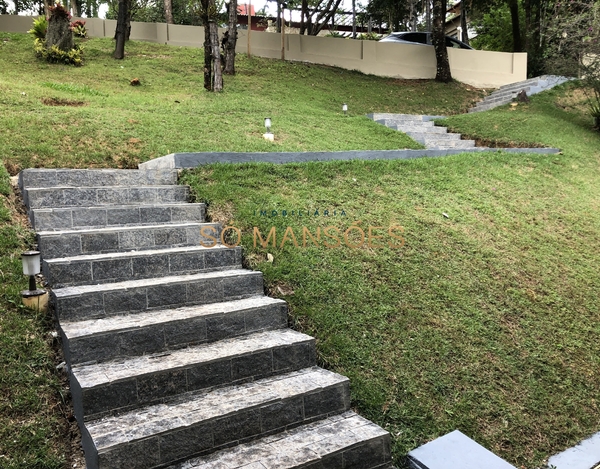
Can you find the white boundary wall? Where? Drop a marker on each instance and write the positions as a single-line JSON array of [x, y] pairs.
[[482, 69]]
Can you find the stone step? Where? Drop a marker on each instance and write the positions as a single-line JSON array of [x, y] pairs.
[[118, 386], [203, 422], [418, 129], [113, 299], [71, 243], [155, 331], [38, 177], [340, 441], [417, 122], [119, 266], [424, 137], [55, 197], [74, 218], [520, 84], [452, 144]]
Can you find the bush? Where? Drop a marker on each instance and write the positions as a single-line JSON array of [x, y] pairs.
[[40, 26], [369, 36], [56, 55], [78, 28]]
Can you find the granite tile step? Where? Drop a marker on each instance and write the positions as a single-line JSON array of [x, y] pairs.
[[159, 330], [38, 177], [402, 117], [407, 120], [420, 129], [119, 266], [451, 144], [340, 441], [204, 422], [71, 243], [112, 299], [92, 196], [76, 218], [423, 137], [119, 385]]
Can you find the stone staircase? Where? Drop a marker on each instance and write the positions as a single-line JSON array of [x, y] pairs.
[[505, 94], [422, 129], [175, 356]]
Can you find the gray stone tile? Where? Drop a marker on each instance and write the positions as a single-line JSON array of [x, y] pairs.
[[220, 258], [135, 455], [52, 246], [192, 261], [237, 426], [42, 198], [209, 374], [107, 269], [155, 214], [268, 317], [333, 399], [88, 217], [122, 216], [244, 285], [136, 239], [122, 301], [166, 295], [80, 197], [112, 196], [99, 242], [169, 236], [184, 443], [187, 212], [159, 385], [366, 455], [191, 331], [47, 220], [282, 413], [94, 348], [142, 341], [205, 291], [155, 265], [223, 326], [143, 195], [294, 357], [72, 273], [80, 307], [113, 396], [256, 364]]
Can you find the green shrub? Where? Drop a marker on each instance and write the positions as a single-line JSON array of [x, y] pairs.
[[55, 55], [334, 34], [40, 26], [369, 36], [78, 28]]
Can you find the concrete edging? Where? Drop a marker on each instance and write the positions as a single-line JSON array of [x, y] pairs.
[[191, 160]]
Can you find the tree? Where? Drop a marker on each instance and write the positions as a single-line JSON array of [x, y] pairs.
[[438, 38], [169, 11], [230, 38], [121, 30], [323, 9], [213, 78], [59, 32]]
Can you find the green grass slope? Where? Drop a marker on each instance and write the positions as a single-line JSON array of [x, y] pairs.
[[485, 319]]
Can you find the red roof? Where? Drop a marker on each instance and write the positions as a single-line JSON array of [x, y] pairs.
[[242, 10]]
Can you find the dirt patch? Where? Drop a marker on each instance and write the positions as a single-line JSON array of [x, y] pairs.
[[493, 143], [62, 102]]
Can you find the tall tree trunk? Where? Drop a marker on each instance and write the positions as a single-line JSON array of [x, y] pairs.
[[169, 11], [463, 22], [428, 14], [76, 8], [121, 31], [438, 38], [230, 38], [217, 72], [207, 50], [516, 27], [59, 32]]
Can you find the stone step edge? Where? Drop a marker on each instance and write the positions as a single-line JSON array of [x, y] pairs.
[[54, 174], [118, 266], [124, 384], [169, 329], [248, 411], [337, 438], [113, 229]]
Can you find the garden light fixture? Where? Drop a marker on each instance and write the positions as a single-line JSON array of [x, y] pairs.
[[268, 135], [33, 298], [345, 109]]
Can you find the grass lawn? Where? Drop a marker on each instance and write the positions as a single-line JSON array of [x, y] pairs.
[[485, 319]]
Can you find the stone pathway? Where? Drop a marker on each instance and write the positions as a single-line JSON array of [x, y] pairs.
[[505, 94], [176, 358]]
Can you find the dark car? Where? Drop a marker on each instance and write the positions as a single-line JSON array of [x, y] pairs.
[[423, 38]]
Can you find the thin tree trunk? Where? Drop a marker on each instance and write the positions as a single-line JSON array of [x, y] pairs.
[[516, 27], [463, 23], [76, 8], [438, 38], [216, 56], [428, 14], [207, 54], [169, 11], [230, 40], [120, 32]]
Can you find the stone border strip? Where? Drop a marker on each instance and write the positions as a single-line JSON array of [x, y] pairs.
[[191, 160]]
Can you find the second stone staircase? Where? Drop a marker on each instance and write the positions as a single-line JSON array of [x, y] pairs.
[[176, 358]]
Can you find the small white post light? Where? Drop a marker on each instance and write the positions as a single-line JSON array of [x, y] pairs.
[[33, 298], [268, 135], [345, 109]]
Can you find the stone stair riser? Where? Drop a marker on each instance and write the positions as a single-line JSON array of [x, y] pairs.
[[95, 196], [172, 332], [430, 130], [406, 121], [95, 177], [172, 293], [73, 218], [76, 243], [350, 441], [425, 137], [174, 440], [453, 145], [79, 271], [143, 389]]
